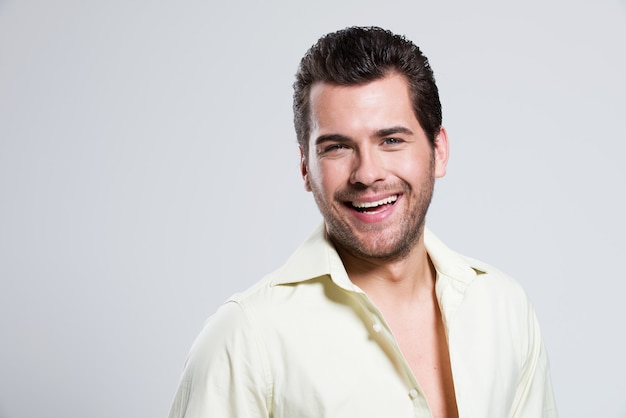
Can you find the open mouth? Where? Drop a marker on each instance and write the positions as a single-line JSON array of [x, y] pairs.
[[372, 207]]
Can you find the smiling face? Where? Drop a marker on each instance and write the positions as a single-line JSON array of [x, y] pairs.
[[370, 166]]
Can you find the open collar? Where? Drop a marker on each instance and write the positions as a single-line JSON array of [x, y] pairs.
[[317, 257]]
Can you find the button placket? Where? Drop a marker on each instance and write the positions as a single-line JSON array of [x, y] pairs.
[[384, 336]]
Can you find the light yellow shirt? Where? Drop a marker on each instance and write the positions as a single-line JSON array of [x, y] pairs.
[[306, 342]]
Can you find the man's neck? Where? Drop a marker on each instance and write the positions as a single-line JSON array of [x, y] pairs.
[[402, 281]]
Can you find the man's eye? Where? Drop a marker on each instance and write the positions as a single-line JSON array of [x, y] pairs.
[[392, 141], [334, 147]]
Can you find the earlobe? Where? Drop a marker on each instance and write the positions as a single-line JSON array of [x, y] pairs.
[[304, 171], [442, 152]]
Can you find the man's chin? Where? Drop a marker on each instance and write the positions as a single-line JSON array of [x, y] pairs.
[[376, 241], [367, 250]]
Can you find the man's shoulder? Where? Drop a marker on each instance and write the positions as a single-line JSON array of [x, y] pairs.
[[496, 293], [273, 290], [313, 261], [463, 268], [259, 291], [492, 276], [468, 279], [236, 318]]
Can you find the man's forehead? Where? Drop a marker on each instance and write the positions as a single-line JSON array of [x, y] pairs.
[[390, 91]]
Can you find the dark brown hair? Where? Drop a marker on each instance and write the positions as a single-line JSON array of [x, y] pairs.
[[358, 55]]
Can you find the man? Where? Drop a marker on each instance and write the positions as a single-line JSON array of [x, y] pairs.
[[372, 316]]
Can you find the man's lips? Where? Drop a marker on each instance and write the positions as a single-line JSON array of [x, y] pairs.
[[373, 205]]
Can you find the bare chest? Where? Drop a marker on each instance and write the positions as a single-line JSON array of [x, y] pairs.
[[423, 343]]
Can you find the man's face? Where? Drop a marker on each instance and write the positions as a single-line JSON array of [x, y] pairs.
[[370, 166]]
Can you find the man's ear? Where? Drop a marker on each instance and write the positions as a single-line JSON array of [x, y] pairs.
[[442, 152], [304, 170]]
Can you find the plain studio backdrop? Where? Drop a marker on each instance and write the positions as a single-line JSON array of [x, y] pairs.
[[149, 169]]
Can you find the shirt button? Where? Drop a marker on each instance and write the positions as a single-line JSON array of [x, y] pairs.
[[377, 327], [413, 393]]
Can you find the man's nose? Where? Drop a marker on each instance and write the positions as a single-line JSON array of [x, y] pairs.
[[368, 168]]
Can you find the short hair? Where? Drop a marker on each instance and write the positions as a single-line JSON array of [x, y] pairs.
[[357, 55]]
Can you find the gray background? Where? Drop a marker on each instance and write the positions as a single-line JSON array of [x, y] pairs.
[[148, 170]]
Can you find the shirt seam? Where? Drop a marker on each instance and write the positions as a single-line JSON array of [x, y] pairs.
[[262, 352]]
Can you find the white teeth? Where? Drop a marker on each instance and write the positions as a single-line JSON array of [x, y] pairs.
[[387, 200]]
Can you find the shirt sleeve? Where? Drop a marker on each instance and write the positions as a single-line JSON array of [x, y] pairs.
[[534, 397], [225, 373]]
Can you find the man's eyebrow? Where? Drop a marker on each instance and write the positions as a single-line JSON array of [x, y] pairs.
[[392, 131], [331, 138]]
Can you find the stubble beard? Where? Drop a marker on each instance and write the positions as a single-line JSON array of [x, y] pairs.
[[382, 247]]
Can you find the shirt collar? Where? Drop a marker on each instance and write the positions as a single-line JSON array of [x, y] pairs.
[[317, 257], [455, 273]]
